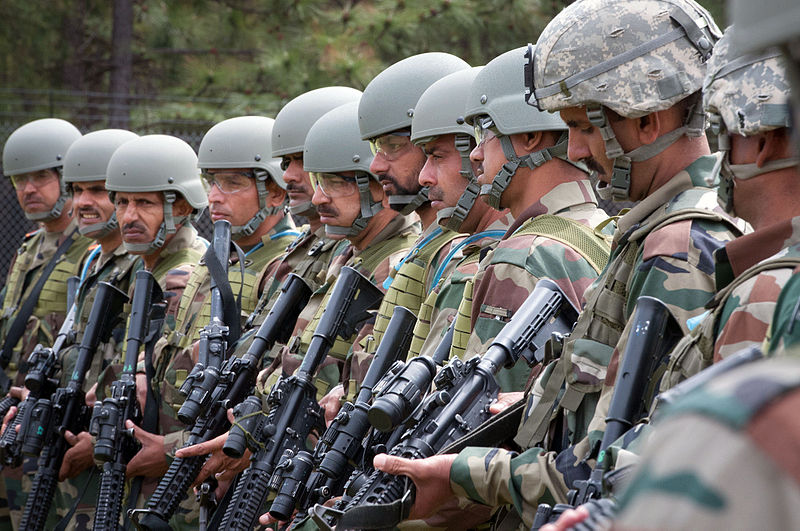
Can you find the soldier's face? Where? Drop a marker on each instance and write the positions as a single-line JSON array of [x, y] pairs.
[[585, 143], [441, 172], [38, 191], [342, 210], [298, 184], [233, 195], [140, 215], [90, 203], [397, 164]]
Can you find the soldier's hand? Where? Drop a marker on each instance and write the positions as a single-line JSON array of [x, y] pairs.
[[431, 477], [219, 464], [20, 393], [79, 457], [151, 460], [332, 403], [91, 395], [12, 412], [505, 401], [568, 519], [141, 389]]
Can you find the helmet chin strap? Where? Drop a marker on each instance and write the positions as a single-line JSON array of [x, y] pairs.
[[494, 191], [58, 207], [241, 231], [368, 209], [406, 204], [170, 225], [621, 172], [99, 230], [453, 217]]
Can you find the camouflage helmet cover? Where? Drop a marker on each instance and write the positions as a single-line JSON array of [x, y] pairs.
[[632, 56], [750, 93]]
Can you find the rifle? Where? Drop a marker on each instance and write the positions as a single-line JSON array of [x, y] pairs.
[[339, 448], [44, 365], [67, 410], [294, 411], [214, 337], [236, 382], [654, 333], [460, 405], [115, 445]]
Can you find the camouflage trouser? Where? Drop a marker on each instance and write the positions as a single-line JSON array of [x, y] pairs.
[[187, 516], [5, 516], [18, 483], [85, 485]]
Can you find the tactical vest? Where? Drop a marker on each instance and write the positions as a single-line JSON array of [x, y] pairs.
[[52, 298], [595, 335], [587, 242], [365, 263], [255, 264], [408, 283], [695, 351]]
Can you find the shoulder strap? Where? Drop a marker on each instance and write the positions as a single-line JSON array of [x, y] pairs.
[[788, 262], [188, 255], [21, 320], [374, 255], [582, 239]]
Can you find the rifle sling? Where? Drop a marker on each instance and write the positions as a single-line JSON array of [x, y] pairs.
[[21, 320], [230, 306]]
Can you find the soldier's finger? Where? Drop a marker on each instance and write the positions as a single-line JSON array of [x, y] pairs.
[[12, 412], [203, 448], [392, 465], [71, 438]]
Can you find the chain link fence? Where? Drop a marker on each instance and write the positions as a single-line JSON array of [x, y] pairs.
[[90, 111]]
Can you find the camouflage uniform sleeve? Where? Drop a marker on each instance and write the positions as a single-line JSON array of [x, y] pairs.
[[174, 284], [497, 477]]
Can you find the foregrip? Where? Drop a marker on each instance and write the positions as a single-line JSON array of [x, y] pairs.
[[39, 500], [10, 441], [6, 404], [171, 491], [250, 494], [109, 500]]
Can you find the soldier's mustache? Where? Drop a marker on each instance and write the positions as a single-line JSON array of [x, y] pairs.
[[326, 211], [295, 187], [134, 226], [593, 165]]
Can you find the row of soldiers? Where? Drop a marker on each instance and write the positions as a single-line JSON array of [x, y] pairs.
[[454, 190]]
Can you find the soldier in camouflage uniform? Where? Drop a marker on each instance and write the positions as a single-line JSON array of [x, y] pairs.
[[33, 158], [439, 128], [156, 188], [621, 74]]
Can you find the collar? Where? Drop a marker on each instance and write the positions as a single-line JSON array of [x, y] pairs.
[[561, 198], [398, 225]]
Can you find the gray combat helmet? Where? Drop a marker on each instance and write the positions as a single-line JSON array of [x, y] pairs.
[[244, 142], [745, 95], [496, 94], [158, 163], [334, 145], [633, 57], [87, 160], [40, 145], [389, 101], [296, 118], [440, 111]]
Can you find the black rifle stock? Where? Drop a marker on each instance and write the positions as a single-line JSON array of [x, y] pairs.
[[236, 382], [115, 445], [461, 403], [44, 365], [654, 333], [294, 411], [340, 447], [67, 410], [199, 386]]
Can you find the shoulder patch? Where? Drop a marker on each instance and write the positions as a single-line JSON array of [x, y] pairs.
[[671, 240]]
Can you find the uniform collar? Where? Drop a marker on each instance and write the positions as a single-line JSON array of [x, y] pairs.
[[558, 200]]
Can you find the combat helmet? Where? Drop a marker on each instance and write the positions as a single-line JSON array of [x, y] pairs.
[[745, 95], [40, 145], [389, 103], [244, 142], [495, 99], [158, 163], [87, 160], [333, 144], [440, 111], [634, 57], [296, 118]]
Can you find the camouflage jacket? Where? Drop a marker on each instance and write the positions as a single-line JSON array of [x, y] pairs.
[[508, 274], [662, 247], [784, 332], [51, 308], [376, 261], [725, 458], [460, 265], [750, 272]]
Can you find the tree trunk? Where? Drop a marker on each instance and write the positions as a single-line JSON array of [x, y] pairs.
[[121, 63]]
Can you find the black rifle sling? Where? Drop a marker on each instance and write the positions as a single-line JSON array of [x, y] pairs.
[[21, 320], [64, 522], [231, 307]]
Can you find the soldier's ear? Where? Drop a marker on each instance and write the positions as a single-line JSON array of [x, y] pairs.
[[181, 207], [533, 141], [773, 145], [649, 127]]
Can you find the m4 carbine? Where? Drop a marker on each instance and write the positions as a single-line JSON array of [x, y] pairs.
[[294, 411], [236, 382]]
